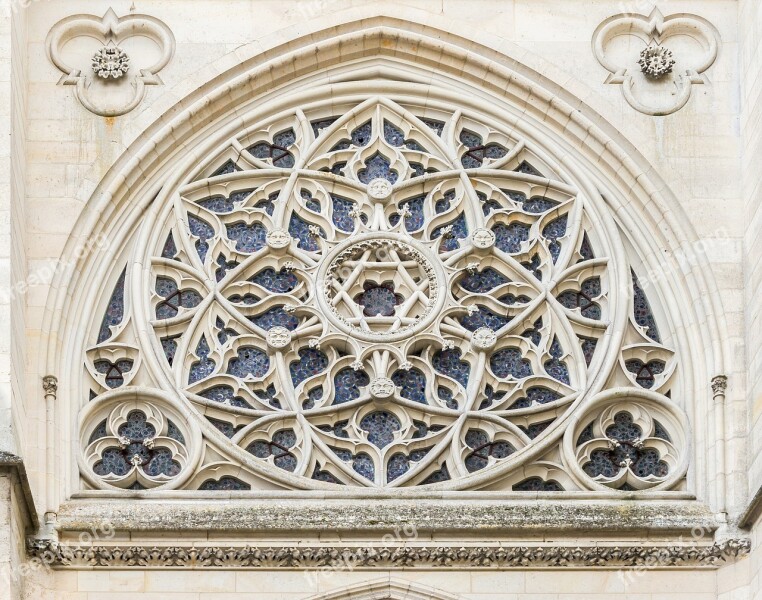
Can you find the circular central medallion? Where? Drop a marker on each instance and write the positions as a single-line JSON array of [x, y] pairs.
[[381, 287]]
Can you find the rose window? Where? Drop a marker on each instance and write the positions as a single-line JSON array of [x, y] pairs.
[[382, 295]]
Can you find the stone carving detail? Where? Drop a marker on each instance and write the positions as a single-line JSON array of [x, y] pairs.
[[395, 557], [658, 80], [656, 61], [111, 61], [383, 300], [379, 189], [114, 83]]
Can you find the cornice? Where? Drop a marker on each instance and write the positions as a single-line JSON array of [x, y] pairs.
[[348, 557]]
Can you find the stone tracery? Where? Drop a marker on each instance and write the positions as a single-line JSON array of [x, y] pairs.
[[386, 298]]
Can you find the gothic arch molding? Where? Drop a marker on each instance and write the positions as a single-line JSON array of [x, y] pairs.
[[387, 46]]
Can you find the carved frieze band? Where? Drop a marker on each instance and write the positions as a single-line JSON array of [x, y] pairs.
[[386, 557]]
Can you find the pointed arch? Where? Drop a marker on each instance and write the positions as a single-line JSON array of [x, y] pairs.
[[388, 49]]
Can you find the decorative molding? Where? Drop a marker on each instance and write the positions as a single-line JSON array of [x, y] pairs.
[[386, 557], [50, 386], [108, 81], [656, 81], [719, 385]]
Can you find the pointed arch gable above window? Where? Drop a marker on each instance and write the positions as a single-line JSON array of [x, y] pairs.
[[265, 127]]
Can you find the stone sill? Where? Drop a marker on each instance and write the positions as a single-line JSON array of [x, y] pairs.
[[472, 515]]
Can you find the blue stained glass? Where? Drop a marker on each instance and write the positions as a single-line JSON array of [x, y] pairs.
[[534, 334], [275, 317], [363, 464], [628, 452], [491, 397], [377, 167], [422, 430], [393, 134], [224, 266], [347, 384], [169, 345], [300, 230], [511, 299], [588, 348], [448, 363], [203, 231], [484, 317], [312, 203], [508, 238], [225, 332], [341, 145], [221, 204], [483, 449], [361, 135], [536, 395], [204, 366], [228, 167], [173, 431], [445, 395], [245, 299], [488, 205], [320, 475], [644, 316], [436, 126], [170, 248], [278, 448], [311, 362], [269, 203], [269, 395], [224, 395], [509, 362], [226, 483], [414, 220], [536, 484], [583, 299], [277, 151], [380, 426], [322, 124], [114, 372], [525, 167], [552, 232], [379, 300], [399, 464], [450, 240], [419, 170], [248, 238], [227, 429], [477, 150], [480, 282], [538, 204], [445, 202], [153, 460], [281, 282], [645, 372], [533, 266], [173, 298], [99, 432], [413, 384], [555, 367], [442, 474], [114, 311], [586, 249], [341, 213], [313, 396], [339, 429], [535, 429], [249, 361]]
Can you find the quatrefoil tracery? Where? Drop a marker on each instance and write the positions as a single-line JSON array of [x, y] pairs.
[[383, 299]]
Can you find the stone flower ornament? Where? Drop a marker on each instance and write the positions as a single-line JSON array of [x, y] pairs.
[[111, 59], [656, 59]]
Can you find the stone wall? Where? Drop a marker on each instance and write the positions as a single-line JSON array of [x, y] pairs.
[[56, 152]]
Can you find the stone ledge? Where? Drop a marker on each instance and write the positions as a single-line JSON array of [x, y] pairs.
[[345, 557], [471, 514]]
